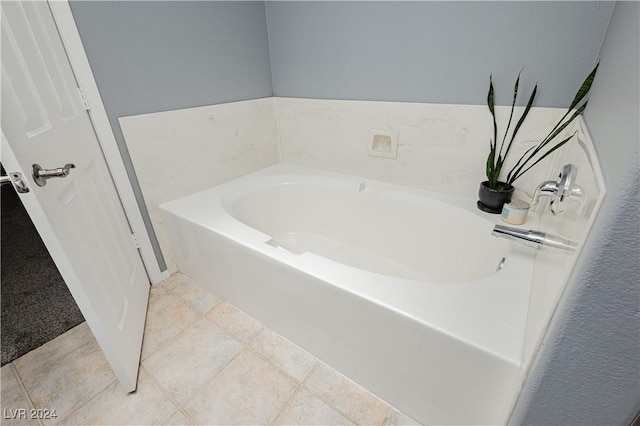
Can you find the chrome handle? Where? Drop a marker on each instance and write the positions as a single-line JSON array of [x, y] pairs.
[[41, 175], [18, 182], [566, 189], [561, 191]]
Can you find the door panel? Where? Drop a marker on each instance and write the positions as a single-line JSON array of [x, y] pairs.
[[44, 122]]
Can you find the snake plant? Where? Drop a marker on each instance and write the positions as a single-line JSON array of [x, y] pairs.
[[537, 153]]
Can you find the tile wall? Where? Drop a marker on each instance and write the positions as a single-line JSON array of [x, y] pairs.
[[440, 147]]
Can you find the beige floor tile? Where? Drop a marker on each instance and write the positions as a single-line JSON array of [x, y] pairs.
[[147, 405], [307, 409], [248, 391], [194, 294], [178, 419], [291, 358], [167, 316], [191, 359], [351, 399], [155, 292], [236, 322], [8, 380], [397, 418], [71, 381], [16, 408], [173, 280], [34, 362]]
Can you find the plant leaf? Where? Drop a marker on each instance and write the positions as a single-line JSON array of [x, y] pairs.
[[496, 171], [544, 143], [489, 170], [561, 125], [513, 105], [490, 103], [522, 118], [519, 161], [561, 128], [557, 146], [584, 89], [522, 165]]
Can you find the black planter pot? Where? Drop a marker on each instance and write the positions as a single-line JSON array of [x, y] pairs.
[[492, 200]]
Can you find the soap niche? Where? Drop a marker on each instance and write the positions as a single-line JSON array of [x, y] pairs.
[[383, 143]]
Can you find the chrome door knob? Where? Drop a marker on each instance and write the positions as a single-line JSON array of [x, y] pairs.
[[41, 175]]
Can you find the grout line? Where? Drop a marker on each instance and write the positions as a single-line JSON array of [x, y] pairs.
[[202, 315], [332, 405], [48, 365], [189, 304], [276, 366], [22, 386], [329, 404], [315, 365], [111, 382], [232, 334], [63, 420], [10, 367], [284, 406], [61, 355], [193, 392], [167, 395], [276, 114], [185, 414], [165, 343], [386, 416]]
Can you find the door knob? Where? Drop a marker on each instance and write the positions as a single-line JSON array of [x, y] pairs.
[[41, 175]]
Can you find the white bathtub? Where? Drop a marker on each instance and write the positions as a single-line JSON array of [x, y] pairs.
[[398, 288]]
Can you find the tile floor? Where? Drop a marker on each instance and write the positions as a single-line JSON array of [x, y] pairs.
[[203, 362]]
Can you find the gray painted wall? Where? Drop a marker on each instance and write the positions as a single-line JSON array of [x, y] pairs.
[[439, 52], [150, 56], [588, 370]]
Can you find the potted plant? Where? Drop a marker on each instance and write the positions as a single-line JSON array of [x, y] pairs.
[[494, 193]]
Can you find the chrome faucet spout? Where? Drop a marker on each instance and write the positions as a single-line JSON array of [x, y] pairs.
[[545, 189], [534, 239]]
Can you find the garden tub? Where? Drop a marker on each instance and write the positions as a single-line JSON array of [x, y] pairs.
[[403, 290]]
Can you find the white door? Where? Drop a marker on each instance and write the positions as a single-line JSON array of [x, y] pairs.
[[79, 217]]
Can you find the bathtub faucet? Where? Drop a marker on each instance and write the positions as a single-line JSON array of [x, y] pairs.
[[534, 239], [562, 191]]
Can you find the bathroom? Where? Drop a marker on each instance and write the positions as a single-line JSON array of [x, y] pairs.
[[413, 52]]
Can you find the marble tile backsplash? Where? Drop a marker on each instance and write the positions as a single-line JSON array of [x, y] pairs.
[[442, 148]]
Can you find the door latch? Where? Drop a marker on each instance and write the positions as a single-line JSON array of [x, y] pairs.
[[41, 175], [18, 182]]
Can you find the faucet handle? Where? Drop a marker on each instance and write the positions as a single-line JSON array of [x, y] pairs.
[[566, 189]]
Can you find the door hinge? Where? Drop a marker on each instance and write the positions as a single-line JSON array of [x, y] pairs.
[[83, 99], [135, 240]]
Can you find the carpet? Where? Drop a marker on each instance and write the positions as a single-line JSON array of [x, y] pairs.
[[35, 303]]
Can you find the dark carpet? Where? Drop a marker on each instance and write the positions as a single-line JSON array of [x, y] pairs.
[[35, 302]]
